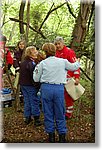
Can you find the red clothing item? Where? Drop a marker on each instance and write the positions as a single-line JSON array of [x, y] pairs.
[[9, 58], [68, 54]]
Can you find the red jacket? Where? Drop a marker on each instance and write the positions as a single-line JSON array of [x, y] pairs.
[[9, 58], [68, 54]]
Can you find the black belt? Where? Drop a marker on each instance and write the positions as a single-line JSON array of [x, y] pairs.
[[53, 83]]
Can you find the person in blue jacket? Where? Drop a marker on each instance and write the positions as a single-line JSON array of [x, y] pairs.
[[51, 72], [29, 87]]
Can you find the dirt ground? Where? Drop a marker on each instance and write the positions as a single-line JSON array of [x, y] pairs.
[[80, 127]]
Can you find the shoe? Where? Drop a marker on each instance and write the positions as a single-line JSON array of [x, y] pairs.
[[62, 138], [68, 117], [37, 122], [27, 120], [51, 137]]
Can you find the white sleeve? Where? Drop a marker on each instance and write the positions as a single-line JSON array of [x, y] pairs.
[[37, 73], [71, 66]]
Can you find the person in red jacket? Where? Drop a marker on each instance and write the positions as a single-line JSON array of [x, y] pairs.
[[66, 53], [7, 56]]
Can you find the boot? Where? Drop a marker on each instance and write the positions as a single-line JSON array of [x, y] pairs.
[[37, 122], [51, 137], [62, 138], [27, 120]]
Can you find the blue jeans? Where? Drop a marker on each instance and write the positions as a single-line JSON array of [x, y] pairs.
[[31, 101], [53, 107]]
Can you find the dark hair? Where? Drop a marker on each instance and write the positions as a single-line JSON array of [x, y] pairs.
[[19, 43]]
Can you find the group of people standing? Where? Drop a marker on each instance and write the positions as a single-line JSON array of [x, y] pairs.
[[48, 74]]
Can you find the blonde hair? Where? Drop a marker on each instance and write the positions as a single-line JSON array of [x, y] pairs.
[[49, 48], [29, 51]]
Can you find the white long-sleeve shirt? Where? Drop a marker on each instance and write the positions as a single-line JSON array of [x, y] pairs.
[[53, 70]]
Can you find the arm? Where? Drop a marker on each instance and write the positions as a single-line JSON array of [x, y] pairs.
[[16, 62], [72, 59], [9, 58], [30, 68], [72, 66], [37, 72]]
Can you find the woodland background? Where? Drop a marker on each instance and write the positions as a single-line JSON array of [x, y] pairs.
[[41, 21]]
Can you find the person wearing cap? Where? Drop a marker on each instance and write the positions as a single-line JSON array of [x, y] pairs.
[[66, 53], [7, 56], [51, 72]]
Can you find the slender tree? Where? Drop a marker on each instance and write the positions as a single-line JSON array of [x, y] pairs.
[[28, 20], [21, 16], [80, 28]]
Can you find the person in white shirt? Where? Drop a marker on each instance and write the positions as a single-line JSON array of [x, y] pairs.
[[51, 72]]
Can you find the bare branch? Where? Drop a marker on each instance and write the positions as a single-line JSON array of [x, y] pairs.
[[86, 75], [70, 9], [49, 12], [4, 23], [46, 17], [39, 32]]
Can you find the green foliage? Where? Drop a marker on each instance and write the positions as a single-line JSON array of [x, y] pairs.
[[60, 22]]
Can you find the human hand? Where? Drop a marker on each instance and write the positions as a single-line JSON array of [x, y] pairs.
[[78, 59], [76, 81]]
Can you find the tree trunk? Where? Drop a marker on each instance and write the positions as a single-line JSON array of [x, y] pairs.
[[28, 20], [21, 26], [21, 16], [80, 28]]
